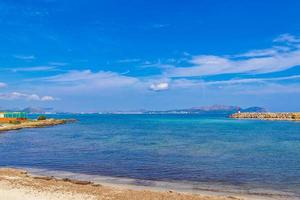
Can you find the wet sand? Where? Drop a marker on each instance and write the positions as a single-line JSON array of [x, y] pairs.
[[19, 185]]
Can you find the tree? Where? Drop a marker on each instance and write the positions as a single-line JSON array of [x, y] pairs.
[[42, 117]]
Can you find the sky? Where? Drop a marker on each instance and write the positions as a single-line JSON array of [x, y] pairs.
[[109, 55]]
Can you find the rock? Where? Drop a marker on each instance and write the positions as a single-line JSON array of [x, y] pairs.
[[78, 182], [46, 178], [267, 115]]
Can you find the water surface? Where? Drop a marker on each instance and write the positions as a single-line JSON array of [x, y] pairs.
[[176, 148]]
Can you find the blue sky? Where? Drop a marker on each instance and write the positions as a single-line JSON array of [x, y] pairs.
[[109, 55]]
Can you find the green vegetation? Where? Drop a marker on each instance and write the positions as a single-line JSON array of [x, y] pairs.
[[15, 122], [42, 117]]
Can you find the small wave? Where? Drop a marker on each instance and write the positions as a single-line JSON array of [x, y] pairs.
[[190, 187]]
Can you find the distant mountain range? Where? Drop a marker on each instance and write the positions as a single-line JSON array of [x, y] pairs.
[[214, 109], [37, 110]]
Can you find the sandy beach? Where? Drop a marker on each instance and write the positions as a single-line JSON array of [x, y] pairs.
[[19, 185]]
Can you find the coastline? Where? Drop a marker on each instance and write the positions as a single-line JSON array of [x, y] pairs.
[[32, 124], [37, 181], [17, 184]]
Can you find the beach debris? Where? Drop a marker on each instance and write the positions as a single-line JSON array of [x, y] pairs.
[[46, 178]]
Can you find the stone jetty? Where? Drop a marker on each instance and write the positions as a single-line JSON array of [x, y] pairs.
[[292, 116]]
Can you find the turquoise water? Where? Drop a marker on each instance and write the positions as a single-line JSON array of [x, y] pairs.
[[187, 148]]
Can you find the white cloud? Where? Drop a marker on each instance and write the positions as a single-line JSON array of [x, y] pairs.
[[236, 84], [47, 98], [33, 97], [190, 83], [129, 60], [25, 57], [252, 80], [157, 65], [262, 61], [251, 86], [258, 61], [58, 64], [86, 79], [33, 69], [287, 38], [25, 96], [159, 86], [265, 52]]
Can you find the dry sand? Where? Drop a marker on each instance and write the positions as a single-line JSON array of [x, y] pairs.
[[18, 185]]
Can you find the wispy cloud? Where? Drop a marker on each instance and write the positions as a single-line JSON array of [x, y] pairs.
[[264, 52], [170, 77], [129, 60], [25, 96], [158, 65], [243, 81], [88, 80], [24, 57], [58, 64], [275, 59], [33, 69], [250, 86], [252, 80], [287, 38], [48, 98]]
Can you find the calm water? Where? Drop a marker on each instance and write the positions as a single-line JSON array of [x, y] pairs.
[[193, 148]]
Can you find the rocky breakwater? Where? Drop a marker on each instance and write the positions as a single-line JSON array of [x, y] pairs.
[[293, 116], [34, 124]]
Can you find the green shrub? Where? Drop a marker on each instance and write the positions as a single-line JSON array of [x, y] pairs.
[[42, 117], [15, 122]]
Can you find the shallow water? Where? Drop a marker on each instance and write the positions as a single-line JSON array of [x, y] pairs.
[[185, 148]]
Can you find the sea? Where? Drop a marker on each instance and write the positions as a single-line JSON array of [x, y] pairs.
[[211, 153]]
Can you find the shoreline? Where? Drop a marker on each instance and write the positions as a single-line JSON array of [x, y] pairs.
[[156, 188], [32, 124], [16, 184]]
